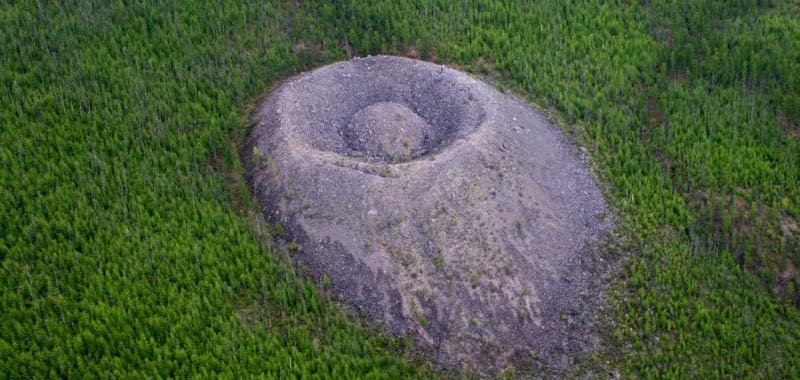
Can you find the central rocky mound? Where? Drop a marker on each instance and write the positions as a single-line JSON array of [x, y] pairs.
[[387, 130], [437, 206]]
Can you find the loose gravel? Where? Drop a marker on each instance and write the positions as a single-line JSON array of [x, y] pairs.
[[438, 206]]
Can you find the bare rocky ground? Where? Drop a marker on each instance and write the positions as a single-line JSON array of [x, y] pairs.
[[438, 207]]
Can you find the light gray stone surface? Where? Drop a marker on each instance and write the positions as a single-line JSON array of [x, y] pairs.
[[438, 206]]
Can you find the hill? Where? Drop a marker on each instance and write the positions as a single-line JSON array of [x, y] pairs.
[[130, 246]]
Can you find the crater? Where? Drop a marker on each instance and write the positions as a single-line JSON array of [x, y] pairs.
[[484, 254], [380, 111]]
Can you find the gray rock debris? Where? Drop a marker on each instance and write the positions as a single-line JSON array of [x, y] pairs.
[[438, 206]]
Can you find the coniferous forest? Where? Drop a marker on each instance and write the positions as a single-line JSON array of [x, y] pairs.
[[131, 248]]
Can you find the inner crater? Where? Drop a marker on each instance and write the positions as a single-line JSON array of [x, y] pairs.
[[388, 131]]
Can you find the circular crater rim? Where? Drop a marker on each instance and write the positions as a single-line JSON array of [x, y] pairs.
[[440, 105]]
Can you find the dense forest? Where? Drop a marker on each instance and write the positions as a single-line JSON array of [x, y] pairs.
[[130, 246]]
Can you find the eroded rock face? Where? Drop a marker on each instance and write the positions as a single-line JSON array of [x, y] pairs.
[[438, 206]]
